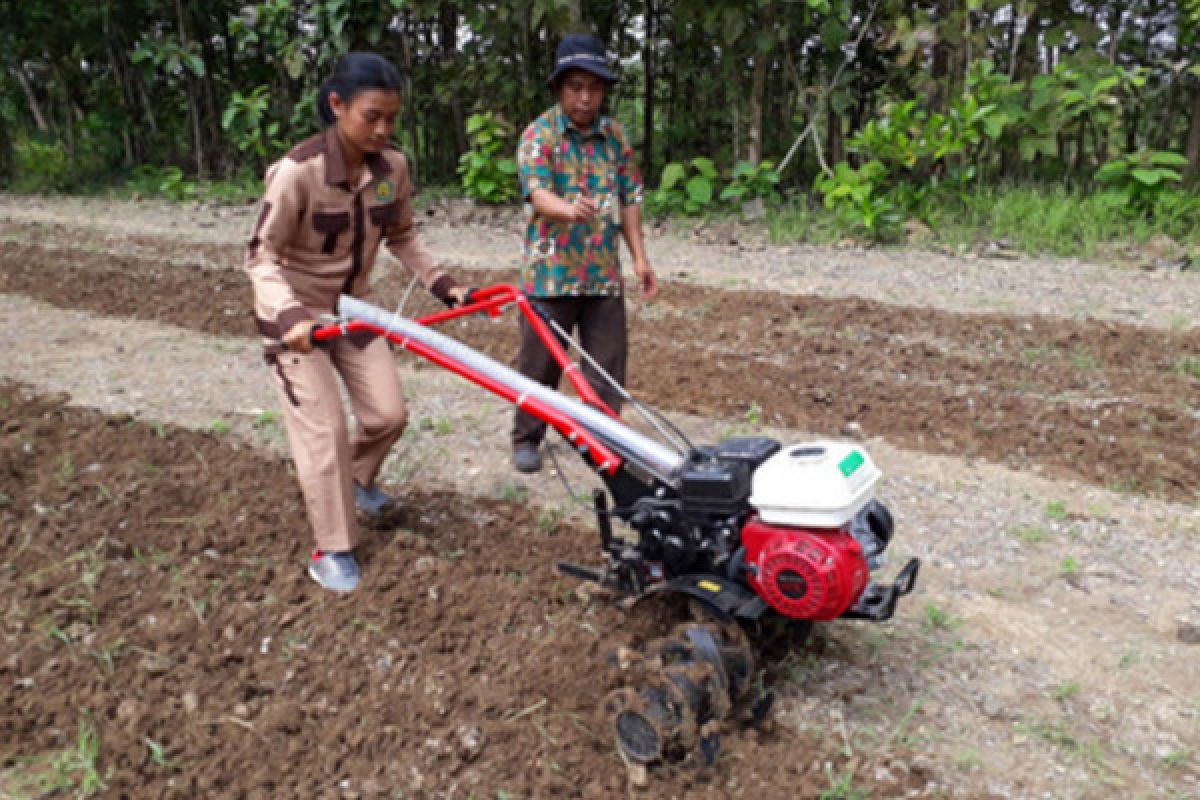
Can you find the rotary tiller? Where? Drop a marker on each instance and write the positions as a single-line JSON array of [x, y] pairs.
[[755, 532]]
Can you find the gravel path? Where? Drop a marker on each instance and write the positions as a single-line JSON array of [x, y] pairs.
[[1072, 289]]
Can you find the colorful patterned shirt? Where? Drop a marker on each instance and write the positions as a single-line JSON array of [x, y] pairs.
[[570, 259]]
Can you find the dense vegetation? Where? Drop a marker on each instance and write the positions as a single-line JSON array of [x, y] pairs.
[[890, 110]]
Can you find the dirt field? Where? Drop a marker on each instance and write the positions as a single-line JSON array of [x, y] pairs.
[[1044, 465]]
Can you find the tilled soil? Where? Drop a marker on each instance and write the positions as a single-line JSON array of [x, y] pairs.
[[157, 597], [150, 598], [1109, 403]]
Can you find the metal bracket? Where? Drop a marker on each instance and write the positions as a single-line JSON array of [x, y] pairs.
[[878, 603]]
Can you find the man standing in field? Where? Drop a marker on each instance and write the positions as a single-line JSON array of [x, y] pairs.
[[578, 173]]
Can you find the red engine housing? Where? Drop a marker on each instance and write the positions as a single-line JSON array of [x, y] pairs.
[[804, 573]]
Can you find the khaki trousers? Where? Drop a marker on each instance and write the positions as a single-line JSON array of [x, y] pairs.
[[327, 459]]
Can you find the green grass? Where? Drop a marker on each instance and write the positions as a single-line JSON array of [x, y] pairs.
[[267, 420], [511, 492], [1081, 359], [938, 620], [841, 787], [1188, 366], [1031, 534], [1050, 221], [79, 766], [1065, 691], [1059, 734], [1057, 510], [968, 760]]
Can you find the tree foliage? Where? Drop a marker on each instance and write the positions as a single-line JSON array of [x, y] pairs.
[[725, 99]]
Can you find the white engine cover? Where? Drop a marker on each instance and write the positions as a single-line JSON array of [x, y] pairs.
[[819, 484]]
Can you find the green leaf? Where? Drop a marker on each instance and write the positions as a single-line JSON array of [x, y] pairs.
[[705, 167], [1112, 171], [195, 64], [672, 173], [700, 190], [1148, 177], [475, 122], [1166, 158]]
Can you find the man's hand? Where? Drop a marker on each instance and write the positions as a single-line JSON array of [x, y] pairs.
[[647, 280], [548, 204], [299, 337], [584, 208]]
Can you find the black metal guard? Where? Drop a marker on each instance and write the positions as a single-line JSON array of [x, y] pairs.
[[878, 603]]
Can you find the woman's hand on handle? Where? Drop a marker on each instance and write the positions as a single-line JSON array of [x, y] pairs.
[[457, 295], [299, 339]]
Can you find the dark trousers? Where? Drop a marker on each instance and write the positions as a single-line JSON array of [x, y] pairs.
[[601, 325]]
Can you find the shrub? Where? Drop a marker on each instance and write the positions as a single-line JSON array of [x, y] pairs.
[[684, 189], [488, 175], [751, 181], [857, 197]]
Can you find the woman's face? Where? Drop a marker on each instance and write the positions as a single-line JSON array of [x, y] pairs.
[[580, 94], [368, 120]]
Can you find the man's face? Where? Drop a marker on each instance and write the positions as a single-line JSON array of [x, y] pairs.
[[580, 94]]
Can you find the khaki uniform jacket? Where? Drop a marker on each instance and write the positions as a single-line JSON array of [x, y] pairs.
[[317, 236]]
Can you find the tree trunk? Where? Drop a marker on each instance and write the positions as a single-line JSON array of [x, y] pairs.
[[193, 106], [836, 150], [5, 152], [448, 58], [34, 107], [754, 123], [650, 66], [1193, 139], [672, 103], [1026, 62], [128, 97], [222, 157]]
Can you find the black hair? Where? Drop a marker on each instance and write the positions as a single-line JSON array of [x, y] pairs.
[[354, 73]]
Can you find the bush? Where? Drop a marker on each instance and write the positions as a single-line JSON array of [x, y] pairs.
[[751, 181], [166, 182], [41, 167], [684, 189], [1141, 178], [692, 188], [859, 199], [488, 175]]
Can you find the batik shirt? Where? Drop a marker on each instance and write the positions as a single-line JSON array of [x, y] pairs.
[[572, 259]]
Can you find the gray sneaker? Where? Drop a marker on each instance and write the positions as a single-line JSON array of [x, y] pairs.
[[335, 571], [372, 500], [526, 458]]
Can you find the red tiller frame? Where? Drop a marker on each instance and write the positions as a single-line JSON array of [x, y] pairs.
[[493, 300]]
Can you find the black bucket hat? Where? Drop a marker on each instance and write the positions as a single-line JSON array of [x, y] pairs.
[[581, 51]]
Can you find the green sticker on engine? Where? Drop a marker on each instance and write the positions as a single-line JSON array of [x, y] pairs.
[[850, 464]]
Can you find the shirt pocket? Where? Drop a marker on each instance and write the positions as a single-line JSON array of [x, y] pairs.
[[385, 216], [330, 224]]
